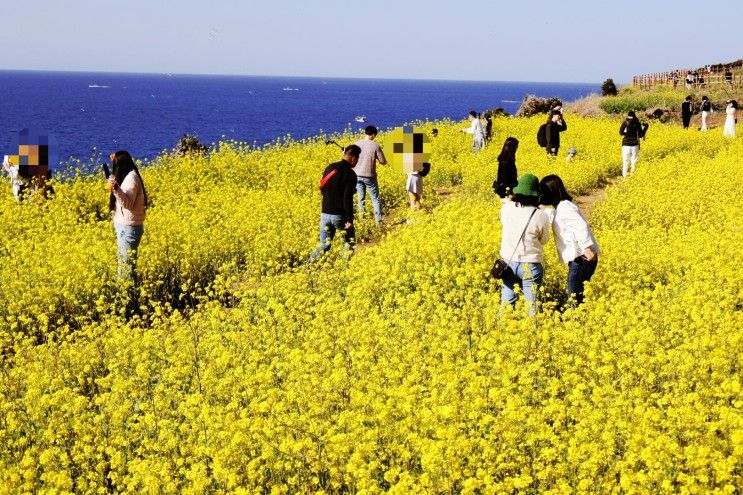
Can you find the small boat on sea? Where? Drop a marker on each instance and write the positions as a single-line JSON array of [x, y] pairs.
[[290, 89], [360, 118]]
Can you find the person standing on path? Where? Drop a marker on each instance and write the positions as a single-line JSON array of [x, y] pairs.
[[686, 112], [366, 171], [525, 231], [338, 184], [631, 131], [414, 186], [574, 239], [507, 177], [730, 119], [478, 133], [555, 125], [706, 109], [128, 202]]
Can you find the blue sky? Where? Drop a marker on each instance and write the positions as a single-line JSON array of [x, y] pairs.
[[523, 40]]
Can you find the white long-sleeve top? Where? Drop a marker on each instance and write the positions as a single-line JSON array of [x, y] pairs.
[[475, 128], [572, 232], [513, 218]]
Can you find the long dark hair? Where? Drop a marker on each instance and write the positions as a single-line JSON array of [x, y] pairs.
[[552, 191], [508, 153], [122, 165]]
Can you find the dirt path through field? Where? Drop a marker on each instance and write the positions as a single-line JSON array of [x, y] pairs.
[[587, 202]]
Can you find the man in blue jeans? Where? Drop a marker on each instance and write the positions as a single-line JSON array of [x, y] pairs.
[[366, 171], [338, 184]]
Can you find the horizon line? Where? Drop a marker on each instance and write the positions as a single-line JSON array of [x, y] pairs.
[[287, 76]]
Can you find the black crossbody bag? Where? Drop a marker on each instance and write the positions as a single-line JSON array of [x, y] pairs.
[[500, 267]]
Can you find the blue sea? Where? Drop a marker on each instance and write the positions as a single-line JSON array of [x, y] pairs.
[[94, 113]]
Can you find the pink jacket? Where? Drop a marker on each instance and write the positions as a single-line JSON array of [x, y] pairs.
[[130, 208]]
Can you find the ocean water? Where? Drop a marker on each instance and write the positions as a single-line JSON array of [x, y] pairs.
[[91, 113]]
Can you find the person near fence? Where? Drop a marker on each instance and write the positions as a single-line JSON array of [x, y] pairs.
[[631, 131], [689, 80], [706, 108], [686, 112], [730, 118]]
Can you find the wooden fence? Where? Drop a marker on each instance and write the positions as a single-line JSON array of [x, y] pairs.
[[677, 79]]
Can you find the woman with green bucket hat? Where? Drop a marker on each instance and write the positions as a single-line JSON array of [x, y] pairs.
[[525, 231]]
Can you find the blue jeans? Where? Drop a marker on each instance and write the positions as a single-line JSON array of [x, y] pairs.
[[580, 271], [364, 183], [527, 275], [329, 224], [128, 238]]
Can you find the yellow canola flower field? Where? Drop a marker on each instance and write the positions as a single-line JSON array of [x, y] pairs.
[[395, 371]]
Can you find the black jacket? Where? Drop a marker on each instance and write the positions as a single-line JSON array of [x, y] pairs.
[[706, 106], [686, 109], [553, 134], [338, 186], [507, 177], [632, 131]]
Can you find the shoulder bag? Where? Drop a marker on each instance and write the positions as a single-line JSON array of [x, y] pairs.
[[500, 267]]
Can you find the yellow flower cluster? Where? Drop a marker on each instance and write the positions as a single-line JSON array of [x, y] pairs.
[[397, 370]]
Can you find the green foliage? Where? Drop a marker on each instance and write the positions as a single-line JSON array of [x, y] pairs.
[[630, 100]]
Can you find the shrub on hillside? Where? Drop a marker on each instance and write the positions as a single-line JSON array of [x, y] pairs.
[[609, 88], [586, 107], [189, 144], [533, 105], [663, 115], [495, 112]]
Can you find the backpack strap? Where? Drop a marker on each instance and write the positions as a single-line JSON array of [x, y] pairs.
[[327, 177]]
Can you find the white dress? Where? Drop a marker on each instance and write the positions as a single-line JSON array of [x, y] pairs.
[[729, 129], [414, 183]]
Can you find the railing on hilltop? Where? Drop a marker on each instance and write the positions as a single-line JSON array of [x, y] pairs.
[[701, 78]]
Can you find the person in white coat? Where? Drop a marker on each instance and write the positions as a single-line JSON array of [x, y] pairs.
[[574, 239], [478, 133], [730, 119]]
